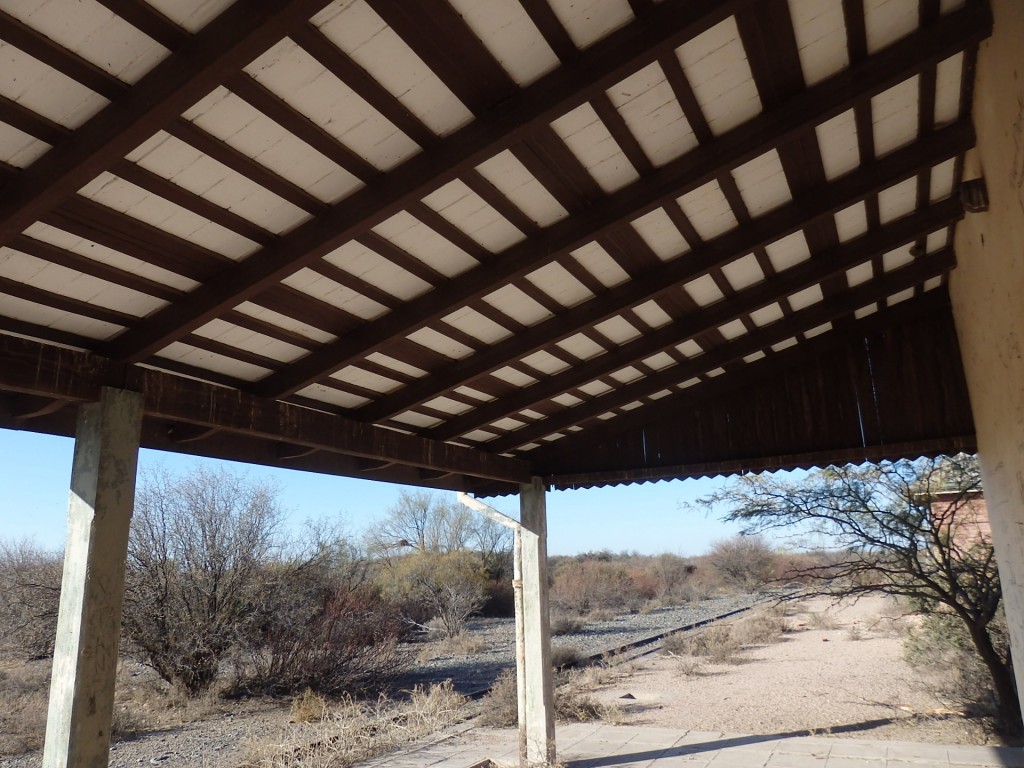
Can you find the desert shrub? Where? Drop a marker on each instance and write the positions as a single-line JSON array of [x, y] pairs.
[[715, 642], [580, 586], [940, 645], [565, 656], [452, 585], [500, 709], [745, 562], [340, 640], [29, 598], [760, 628], [565, 624]]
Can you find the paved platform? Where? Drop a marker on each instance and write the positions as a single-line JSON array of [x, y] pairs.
[[610, 746]]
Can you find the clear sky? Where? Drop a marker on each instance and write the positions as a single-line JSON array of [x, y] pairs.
[[35, 472]]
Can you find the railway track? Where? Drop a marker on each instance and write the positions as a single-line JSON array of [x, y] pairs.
[[474, 675]]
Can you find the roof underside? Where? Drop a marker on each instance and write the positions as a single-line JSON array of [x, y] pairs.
[[457, 243]]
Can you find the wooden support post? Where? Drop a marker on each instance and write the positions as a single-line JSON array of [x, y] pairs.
[[538, 719], [985, 289], [89, 623]]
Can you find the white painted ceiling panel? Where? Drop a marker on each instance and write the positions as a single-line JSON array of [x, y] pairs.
[[753, 358], [863, 312], [423, 243], [663, 237], [652, 314], [743, 272], [447, 405], [689, 383], [557, 283], [104, 255], [659, 361], [900, 297], [898, 201], [431, 339], [703, 291], [517, 305], [617, 329], [368, 265], [587, 21], [360, 377], [626, 375], [894, 113], [510, 177], [475, 394], [93, 32], [302, 82], [328, 291], [716, 65], [837, 139], [471, 214], [896, 259], [654, 117], [123, 196], [332, 396], [851, 222], [396, 365], [211, 361], [237, 124], [566, 400], [581, 346], [860, 274], [931, 284], [820, 30], [762, 183], [363, 35], [19, 149], [190, 169], [887, 21], [37, 314], [790, 342], [471, 322], [948, 76], [594, 388], [284, 322], [806, 297], [789, 251], [708, 210], [818, 330], [418, 420], [508, 424], [545, 362], [941, 182], [250, 341], [732, 330], [46, 91], [193, 15], [510, 36], [937, 240], [767, 315], [588, 138], [597, 262], [514, 377]]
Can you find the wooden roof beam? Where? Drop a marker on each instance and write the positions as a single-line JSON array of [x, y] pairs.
[[701, 165], [621, 53], [225, 45], [895, 167], [48, 371], [836, 307]]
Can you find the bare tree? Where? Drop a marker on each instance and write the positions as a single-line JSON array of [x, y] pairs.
[[195, 560], [905, 528], [30, 579]]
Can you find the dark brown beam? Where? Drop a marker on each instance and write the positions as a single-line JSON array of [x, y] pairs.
[[948, 142], [222, 47], [149, 21], [39, 369], [751, 374], [835, 307], [600, 66], [27, 121]]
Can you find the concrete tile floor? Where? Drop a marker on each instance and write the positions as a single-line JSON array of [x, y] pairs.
[[589, 745]]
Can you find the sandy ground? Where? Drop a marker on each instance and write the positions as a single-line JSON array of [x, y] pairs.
[[834, 680]]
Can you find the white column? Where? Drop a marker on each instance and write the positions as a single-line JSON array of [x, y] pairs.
[[987, 289], [89, 623], [537, 675]]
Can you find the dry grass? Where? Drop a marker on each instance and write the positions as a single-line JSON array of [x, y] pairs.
[[715, 642], [351, 731], [761, 627], [721, 643], [462, 644], [564, 624], [565, 656], [822, 620], [573, 704]]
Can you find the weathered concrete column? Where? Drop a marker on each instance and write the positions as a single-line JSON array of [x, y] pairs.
[[89, 623], [537, 677], [987, 289]]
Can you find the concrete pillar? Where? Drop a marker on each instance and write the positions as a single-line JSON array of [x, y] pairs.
[[538, 720], [89, 623], [987, 289]]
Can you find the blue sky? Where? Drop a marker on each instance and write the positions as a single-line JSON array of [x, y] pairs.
[[35, 471]]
